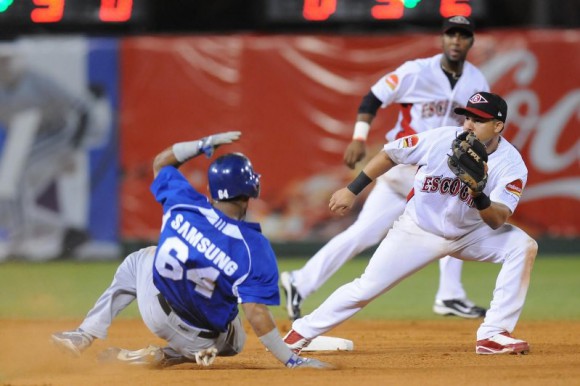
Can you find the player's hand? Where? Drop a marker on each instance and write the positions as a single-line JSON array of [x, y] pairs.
[[354, 152], [206, 357], [300, 362], [341, 201], [212, 142]]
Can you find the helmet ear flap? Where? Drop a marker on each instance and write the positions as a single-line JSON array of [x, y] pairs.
[[231, 176]]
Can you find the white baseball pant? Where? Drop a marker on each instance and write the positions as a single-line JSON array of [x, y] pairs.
[[385, 203], [407, 248]]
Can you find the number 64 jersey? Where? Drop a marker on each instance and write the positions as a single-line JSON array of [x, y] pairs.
[[206, 262]]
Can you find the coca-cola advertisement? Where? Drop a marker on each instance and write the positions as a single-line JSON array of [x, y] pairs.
[[295, 98]]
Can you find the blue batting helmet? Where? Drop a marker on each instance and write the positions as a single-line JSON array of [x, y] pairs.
[[231, 176]]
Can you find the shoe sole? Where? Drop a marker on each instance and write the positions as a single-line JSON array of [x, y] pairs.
[[151, 356], [445, 311], [66, 346], [519, 348]]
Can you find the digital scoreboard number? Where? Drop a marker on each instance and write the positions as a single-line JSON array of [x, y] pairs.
[[71, 14], [321, 11]]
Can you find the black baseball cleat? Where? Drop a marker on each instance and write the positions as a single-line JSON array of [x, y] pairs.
[[463, 308], [293, 298]]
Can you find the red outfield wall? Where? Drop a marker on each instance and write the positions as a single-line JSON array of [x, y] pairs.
[[295, 99]]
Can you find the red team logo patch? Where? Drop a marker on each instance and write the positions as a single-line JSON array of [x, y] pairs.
[[410, 141], [515, 187], [392, 81]]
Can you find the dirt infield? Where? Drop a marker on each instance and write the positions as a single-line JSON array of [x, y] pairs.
[[386, 353]]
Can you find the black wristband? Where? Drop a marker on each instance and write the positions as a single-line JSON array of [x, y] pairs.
[[482, 201], [360, 182]]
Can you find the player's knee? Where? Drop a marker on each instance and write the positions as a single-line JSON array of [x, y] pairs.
[[365, 291], [364, 236], [531, 250]]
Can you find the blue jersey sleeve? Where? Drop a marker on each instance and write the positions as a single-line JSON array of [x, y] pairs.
[[171, 188], [261, 286]]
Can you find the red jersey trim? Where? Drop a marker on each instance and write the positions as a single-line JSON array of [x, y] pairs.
[[406, 122]]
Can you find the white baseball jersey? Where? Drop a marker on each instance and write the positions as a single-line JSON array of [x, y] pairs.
[[425, 95], [426, 101], [440, 220], [440, 203]]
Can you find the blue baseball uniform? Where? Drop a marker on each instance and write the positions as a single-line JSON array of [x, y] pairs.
[[189, 287], [207, 262]]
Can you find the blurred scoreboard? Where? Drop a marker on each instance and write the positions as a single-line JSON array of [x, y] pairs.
[[97, 16], [356, 11], [32, 16]]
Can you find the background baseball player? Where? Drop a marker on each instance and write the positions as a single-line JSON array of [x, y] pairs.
[[426, 90], [452, 211], [45, 131], [208, 260]]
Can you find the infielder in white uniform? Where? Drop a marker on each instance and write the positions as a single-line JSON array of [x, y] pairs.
[[443, 217], [426, 90]]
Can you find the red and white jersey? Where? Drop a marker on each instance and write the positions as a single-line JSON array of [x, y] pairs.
[[439, 202], [425, 96]]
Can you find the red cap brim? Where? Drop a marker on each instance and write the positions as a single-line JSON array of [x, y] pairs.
[[476, 112]]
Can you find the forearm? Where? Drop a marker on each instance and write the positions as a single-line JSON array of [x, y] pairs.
[[492, 213], [365, 117], [362, 126], [259, 317], [265, 328], [378, 165], [180, 152], [165, 158], [366, 113]]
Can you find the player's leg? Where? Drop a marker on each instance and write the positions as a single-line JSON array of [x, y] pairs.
[[406, 249], [516, 251], [370, 228], [117, 297], [122, 291], [381, 208], [184, 342], [451, 298], [233, 341]]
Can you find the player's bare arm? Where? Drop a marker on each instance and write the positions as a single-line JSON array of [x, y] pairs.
[[495, 215], [181, 152], [342, 200], [357, 149], [259, 317], [165, 158], [367, 110], [262, 322]]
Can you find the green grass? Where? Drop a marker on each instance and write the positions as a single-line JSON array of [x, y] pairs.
[[67, 290]]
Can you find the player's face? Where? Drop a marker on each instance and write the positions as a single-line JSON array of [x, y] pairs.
[[483, 128], [456, 45]]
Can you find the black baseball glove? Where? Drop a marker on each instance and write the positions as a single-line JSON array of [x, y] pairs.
[[468, 161]]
